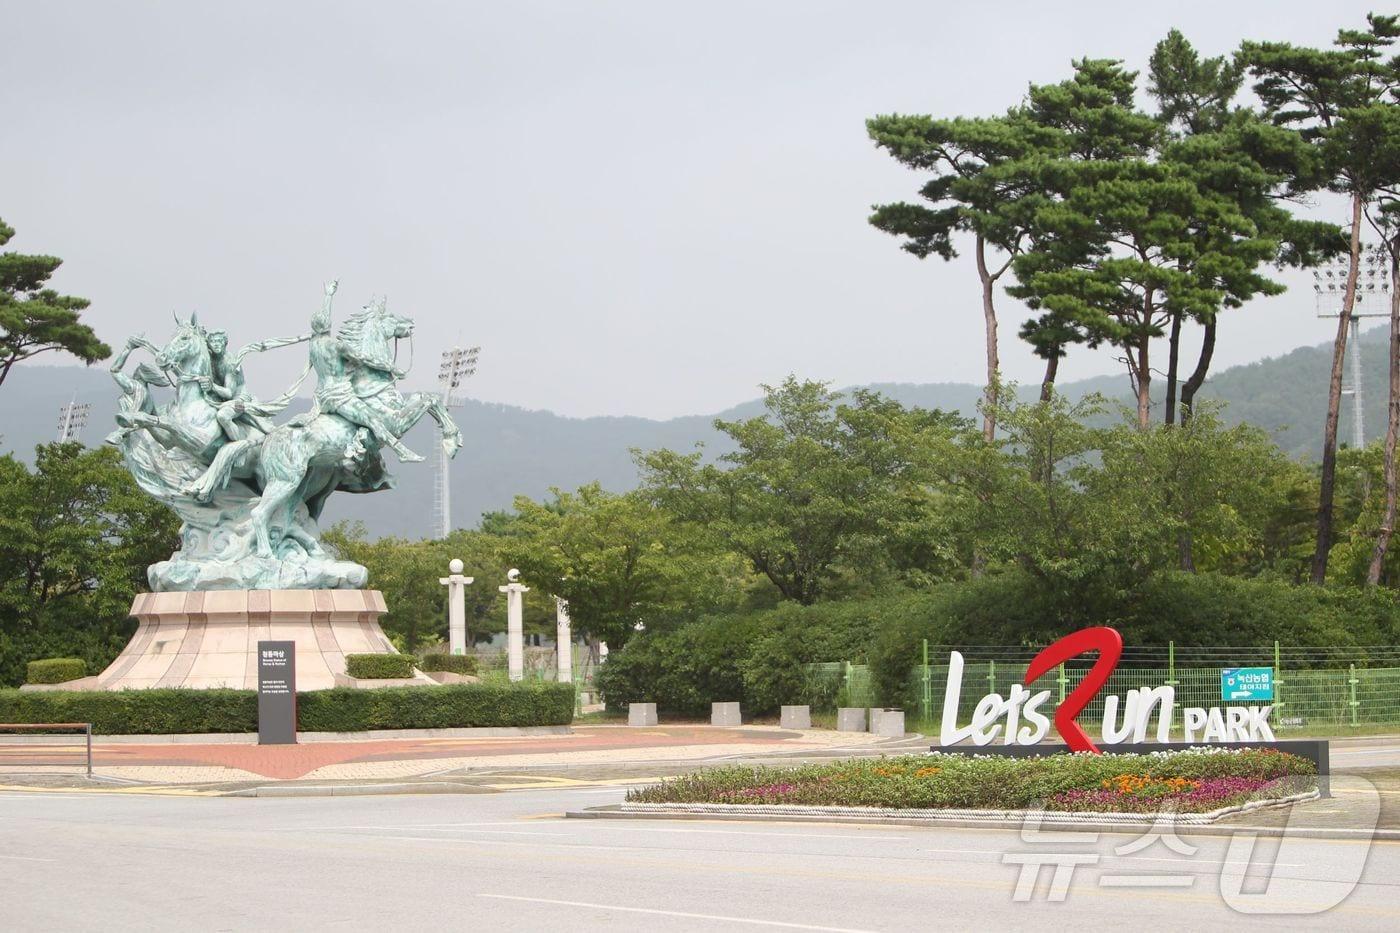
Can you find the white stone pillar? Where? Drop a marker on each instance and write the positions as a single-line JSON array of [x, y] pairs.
[[515, 624], [564, 640], [456, 607]]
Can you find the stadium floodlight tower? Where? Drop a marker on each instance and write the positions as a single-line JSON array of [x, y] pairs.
[[72, 418], [457, 364], [1372, 300]]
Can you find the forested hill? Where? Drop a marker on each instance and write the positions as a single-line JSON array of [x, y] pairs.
[[513, 450]]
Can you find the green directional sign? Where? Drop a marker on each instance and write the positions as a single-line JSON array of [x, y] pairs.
[[1247, 684]]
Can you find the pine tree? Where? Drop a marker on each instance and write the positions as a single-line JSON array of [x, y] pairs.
[[35, 319], [1327, 95], [1148, 225], [976, 189]]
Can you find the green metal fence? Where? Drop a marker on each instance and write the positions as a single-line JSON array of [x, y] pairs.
[[1330, 689]]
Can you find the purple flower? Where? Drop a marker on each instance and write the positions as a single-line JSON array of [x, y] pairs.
[[765, 791], [1210, 794]]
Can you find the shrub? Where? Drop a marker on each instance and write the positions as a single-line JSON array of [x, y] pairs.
[[453, 663], [343, 709], [379, 666], [55, 670], [450, 706], [758, 658], [682, 668], [774, 668], [143, 712]]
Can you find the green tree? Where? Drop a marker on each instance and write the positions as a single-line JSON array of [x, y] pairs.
[[1332, 96], [1157, 227], [1093, 511], [76, 536], [1021, 501], [35, 319], [619, 560], [1194, 94], [974, 189], [1377, 132], [1198, 495], [1194, 97], [408, 573], [1096, 123], [815, 491]]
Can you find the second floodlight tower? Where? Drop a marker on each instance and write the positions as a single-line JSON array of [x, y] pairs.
[[457, 364]]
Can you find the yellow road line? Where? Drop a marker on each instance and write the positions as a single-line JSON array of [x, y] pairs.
[[140, 790]]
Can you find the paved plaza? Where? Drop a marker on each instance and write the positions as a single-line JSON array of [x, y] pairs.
[[385, 759]]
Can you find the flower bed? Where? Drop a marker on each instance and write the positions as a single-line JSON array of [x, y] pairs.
[[1194, 781]]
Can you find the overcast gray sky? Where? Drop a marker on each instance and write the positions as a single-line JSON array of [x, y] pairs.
[[634, 207]]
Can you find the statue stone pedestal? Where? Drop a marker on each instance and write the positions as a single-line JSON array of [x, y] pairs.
[[210, 639]]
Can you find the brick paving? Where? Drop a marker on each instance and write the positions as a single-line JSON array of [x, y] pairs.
[[390, 758]]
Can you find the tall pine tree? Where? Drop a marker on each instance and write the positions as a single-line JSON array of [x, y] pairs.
[[35, 319], [1326, 94], [974, 189]]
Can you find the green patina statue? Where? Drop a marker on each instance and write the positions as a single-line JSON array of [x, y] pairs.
[[249, 491]]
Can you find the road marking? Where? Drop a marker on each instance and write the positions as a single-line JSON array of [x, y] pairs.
[[754, 921], [69, 793], [26, 858]]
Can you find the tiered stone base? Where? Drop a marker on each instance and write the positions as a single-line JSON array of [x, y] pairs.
[[210, 639]]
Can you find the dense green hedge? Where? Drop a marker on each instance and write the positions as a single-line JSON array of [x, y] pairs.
[[759, 658], [344, 709], [449, 706], [454, 663], [379, 666], [143, 712], [55, 670], [1191, 609]]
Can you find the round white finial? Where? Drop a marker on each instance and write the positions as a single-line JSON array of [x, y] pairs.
[[455, 565], [512, 575]]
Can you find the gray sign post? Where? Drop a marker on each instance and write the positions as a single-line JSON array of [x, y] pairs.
[[277, 693]]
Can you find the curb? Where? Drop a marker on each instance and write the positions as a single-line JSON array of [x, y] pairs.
[[356, 790], [612, 812], [973, 815]]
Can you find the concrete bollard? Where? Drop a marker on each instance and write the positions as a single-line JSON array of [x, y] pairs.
[[890, 722], [641, 714], [850, 719], [796, 717], [725, 714]]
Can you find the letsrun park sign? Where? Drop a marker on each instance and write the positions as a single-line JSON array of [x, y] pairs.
[[1017, 719]]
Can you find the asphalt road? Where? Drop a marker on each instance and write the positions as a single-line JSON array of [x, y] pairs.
[[508, 861]]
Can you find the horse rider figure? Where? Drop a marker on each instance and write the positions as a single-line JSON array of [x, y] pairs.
[[227, 387], [332, 359]]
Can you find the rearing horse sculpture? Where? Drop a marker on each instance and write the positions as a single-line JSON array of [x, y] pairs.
[[250, 506], [306, 459]]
